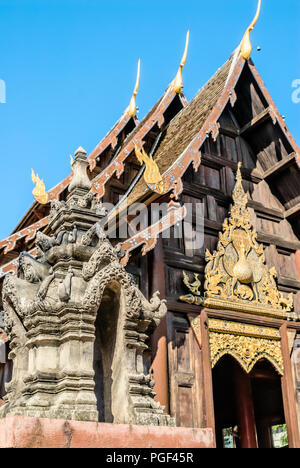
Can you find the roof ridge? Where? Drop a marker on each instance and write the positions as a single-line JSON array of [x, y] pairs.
[[190, 103]]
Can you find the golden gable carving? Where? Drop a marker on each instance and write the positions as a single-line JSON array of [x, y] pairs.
[[236, 275]]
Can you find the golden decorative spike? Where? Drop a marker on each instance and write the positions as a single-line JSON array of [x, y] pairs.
[[152, 175], [246, 47], [239, 195], [178, 82], [132, 110], [39, 192]]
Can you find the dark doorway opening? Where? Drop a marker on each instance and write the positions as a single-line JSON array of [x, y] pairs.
[[268, 406], [106, 325], [248, 407]]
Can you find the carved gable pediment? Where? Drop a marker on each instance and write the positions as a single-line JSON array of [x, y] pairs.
[[236, 275]]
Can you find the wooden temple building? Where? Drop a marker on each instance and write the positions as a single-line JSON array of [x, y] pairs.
[[226, 355]]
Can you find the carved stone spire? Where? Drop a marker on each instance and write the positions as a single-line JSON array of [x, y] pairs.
[[79, 166], [79, 326]]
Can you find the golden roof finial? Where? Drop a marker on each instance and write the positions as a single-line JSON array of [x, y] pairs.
[[39, 192], [246, 47], [132, 106], [152, 174], [178, 82]]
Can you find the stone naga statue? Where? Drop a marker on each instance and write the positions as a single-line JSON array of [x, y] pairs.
[[79, 326]]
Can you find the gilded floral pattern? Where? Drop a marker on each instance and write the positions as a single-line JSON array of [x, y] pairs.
[[247, 350], [236, 275]]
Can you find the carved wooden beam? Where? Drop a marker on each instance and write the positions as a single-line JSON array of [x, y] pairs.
[[117, 165], [293, 212], [277, 114], [29, 233], [111, 139], [273, 214], [148, 237], [258, 120], [280, 166], [218, 163], [231, 132]]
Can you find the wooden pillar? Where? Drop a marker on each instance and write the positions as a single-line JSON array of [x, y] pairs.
[[245, 409], [264, 434], [288, 392], [159, 368], [207, 374]]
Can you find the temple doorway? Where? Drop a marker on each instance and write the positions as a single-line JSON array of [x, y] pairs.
[[107, 360], [249, 409]]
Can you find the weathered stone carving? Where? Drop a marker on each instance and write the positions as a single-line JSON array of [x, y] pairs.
[[56, 206], [44, 242], [79, 326]]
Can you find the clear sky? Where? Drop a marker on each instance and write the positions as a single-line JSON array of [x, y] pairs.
[[69, 68]]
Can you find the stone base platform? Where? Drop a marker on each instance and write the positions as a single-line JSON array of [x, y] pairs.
[[23, 432]]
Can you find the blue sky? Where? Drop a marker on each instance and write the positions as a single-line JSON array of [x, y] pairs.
[[69, 68]]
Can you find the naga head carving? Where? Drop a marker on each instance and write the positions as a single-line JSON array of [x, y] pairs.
[[30, 269]]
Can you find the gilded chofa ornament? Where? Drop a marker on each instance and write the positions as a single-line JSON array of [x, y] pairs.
[[246, 46], [39, 191], [178, 82], [236, 275], [132, 109], [248, 344]]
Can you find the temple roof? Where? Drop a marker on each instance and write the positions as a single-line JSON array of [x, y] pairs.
[[156, 119], [186, 124]]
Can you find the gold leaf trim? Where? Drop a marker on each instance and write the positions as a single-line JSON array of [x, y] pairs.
[[196, 327], [247, 350]]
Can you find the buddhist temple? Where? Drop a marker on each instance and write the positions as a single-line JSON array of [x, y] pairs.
[[197, 336]]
